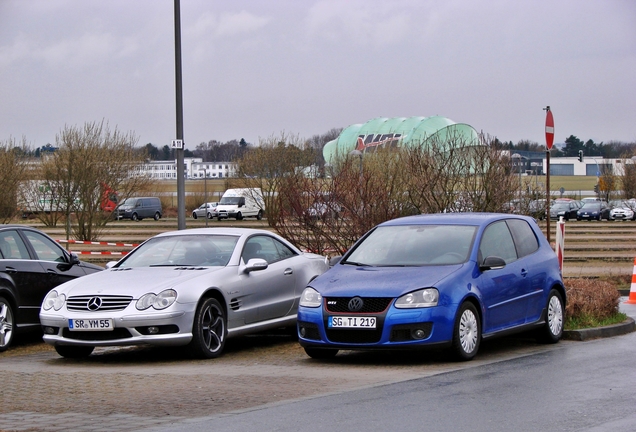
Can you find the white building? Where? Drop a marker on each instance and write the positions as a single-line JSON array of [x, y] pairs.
[[195, 168], [591, 166]]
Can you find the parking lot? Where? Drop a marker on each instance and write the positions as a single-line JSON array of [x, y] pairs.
[[136, 388]]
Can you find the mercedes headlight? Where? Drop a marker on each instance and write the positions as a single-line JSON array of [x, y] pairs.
[[53, 300], [157, 301]]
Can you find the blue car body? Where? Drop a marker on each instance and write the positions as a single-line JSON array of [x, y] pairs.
[[508, 298]]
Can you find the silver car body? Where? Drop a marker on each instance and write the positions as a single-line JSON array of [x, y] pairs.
[[204, 209], [256, 295]]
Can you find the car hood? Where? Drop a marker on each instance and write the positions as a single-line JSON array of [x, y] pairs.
[[133, 281], [347, 280]]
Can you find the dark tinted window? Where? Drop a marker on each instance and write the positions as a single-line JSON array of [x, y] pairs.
[[497, 241], [525, 240]]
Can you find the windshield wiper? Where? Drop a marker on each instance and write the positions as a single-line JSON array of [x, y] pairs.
[[355, 263]]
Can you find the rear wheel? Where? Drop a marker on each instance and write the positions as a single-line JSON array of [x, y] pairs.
[[321, 353], [259, 216], [74, 351], [7, 321], [466, 333], [208, 330], [552, 330], [210, 215]]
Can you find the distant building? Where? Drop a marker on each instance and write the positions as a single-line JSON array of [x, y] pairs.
[[194, 168]]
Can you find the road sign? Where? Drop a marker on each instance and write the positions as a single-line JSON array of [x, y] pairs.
[[177, 144], [549, 129]]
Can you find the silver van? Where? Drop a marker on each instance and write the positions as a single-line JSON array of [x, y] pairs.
[[137, 208]]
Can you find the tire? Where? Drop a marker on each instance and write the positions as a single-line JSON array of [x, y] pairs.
[[466, 333], [194, 215], [134, 217], [209, 216], [239, 216], [552, 330], [157, 216], [68, 351], [209, 330], [259, 216], [321, 353], [7, 323]]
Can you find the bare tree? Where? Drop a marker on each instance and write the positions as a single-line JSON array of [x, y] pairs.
[[13, 172], [92, 161], [266, 165], [628, 178]]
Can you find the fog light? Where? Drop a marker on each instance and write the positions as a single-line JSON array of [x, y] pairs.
[[153, 330], [302, 332], [419, 334], [49, 330]]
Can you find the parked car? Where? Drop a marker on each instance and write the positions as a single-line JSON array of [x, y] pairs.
[[596, 210], [240, 203], [138, 208], [621, 210], [192, 287], [565, 209], [437, 281], [205, 209], [31, 264]]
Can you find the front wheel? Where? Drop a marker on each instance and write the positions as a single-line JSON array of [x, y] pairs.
[[7, 321], [74, 351], [321, 353], [466, 332], [194, 216], [259, 216], [157, 216], [239, 216], [134, 217], [552, 330], [208, 330]]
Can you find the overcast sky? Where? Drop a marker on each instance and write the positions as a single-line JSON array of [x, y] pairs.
[[255, 68]]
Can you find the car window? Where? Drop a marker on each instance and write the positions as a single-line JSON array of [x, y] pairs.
[[524, 238], [264, 247], [497, 241], [45, 248], [12, 246]]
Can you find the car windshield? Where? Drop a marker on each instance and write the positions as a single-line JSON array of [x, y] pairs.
[[230, 200], [591, 206], [414, 245], [561, 206], [182, 250]]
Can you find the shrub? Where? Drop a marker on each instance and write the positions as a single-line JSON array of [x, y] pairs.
[[590, 301]]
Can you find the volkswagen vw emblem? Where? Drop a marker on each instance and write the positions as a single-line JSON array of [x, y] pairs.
[[355, 304], [94, 303]]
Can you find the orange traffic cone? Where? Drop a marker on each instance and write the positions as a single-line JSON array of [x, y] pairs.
[[632, 290]]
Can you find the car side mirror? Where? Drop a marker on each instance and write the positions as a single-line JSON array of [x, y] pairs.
[[74, 259], [255, 264], [492, 263], [334, 260]]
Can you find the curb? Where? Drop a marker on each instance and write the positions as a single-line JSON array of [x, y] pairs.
[[627, 326]]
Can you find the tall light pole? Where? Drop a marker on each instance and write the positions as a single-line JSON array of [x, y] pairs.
[[517, 157], [179, 99]]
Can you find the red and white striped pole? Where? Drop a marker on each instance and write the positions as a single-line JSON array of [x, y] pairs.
[[560, 240]]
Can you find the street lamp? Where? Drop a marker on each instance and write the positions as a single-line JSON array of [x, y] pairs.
[[517, 157]]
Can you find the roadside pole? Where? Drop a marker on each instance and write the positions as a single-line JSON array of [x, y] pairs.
[[549, 140]]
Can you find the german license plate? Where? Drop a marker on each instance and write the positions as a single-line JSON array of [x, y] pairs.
[[90, 324], [352, 322]]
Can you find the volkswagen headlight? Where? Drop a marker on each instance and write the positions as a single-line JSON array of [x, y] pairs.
[[311, 298], [427, 297]]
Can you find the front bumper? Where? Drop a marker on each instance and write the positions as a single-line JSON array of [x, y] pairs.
[[160, 329]]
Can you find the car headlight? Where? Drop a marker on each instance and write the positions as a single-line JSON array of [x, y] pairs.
[[158, 301], [53, 300], [310, 298], [427, 297]]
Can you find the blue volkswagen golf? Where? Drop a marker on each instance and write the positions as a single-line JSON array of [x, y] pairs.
[[436, 281]]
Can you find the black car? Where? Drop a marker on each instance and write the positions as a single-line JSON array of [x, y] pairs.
[[593, 210], [31, 264], [567, 209]]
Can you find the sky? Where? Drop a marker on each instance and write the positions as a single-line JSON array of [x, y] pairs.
[[257, 69]]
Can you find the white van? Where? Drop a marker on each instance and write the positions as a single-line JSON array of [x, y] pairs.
[[240, 203]]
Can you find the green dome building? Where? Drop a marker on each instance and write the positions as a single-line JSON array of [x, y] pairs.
[[397, 132]]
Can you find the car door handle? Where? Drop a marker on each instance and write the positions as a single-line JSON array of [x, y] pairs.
[[524, 272], [288, 271], [51, 272], [11, 270]]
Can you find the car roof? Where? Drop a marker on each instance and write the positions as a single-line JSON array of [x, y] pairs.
[[454, 219], [217, 231]]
